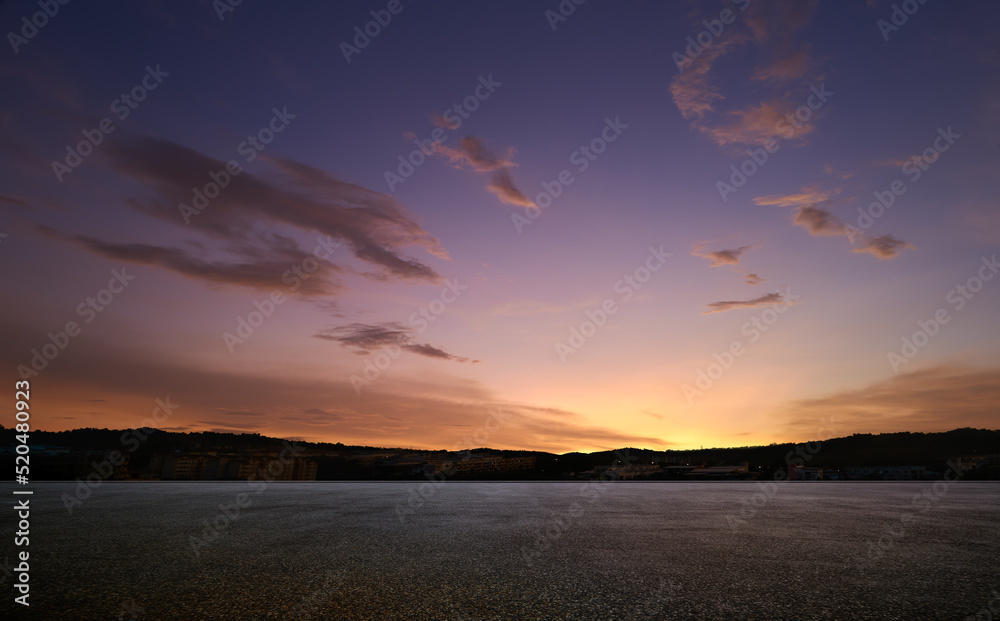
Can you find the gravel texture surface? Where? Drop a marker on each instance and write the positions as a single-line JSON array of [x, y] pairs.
[[613, 551]]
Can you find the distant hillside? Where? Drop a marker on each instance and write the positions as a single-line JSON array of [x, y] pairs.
[[339, 461], [905, 448]]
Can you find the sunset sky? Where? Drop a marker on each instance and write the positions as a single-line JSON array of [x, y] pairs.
[[465, 271]]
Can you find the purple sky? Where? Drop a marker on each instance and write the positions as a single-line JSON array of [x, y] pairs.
[[498, 225]]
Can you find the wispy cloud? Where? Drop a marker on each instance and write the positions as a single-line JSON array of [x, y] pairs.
[[365, 338], [693, 92], [370, 225], [764, 300], [830, 170], [821, 222], [13, 200], [884, 246], [818, 221], [772, 30], [504, 188], [720, 258], [810, 195], [753, 279], [473, 153], [422, 410], [440, 121], [756, 124], [931, 399], [256, 266]]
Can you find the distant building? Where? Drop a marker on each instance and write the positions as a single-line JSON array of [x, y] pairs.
[[723, 472], [972, 462], [625, 473], [473, 463], [211, 466], [183, 467], [886, 473], [799, 473]]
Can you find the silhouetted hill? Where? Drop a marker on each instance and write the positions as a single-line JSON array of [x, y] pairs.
[[340, 461]]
